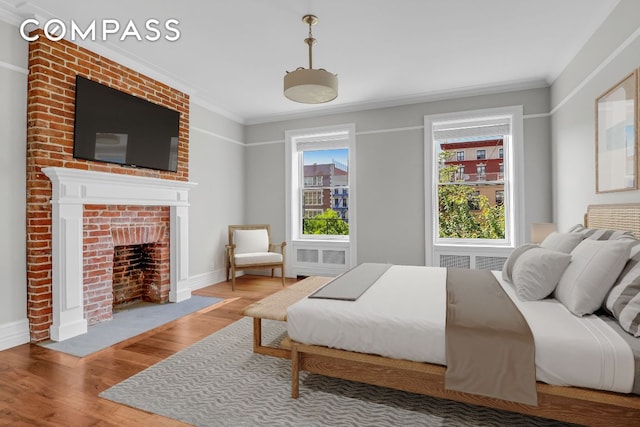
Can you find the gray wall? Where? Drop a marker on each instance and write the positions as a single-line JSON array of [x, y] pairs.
[[611, 54], [390, 170], [13, 129], [216, 164]]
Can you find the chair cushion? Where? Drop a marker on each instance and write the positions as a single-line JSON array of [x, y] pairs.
[[258, 258], [251, 241]]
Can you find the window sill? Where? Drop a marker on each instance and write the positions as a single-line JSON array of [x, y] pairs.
[[321, 240], [473, 245]]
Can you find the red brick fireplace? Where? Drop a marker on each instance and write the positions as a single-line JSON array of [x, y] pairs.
[[125, 258], [65, 193]]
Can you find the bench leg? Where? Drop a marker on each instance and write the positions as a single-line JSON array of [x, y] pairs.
[[257, 334], [295, 371], [258, 348]]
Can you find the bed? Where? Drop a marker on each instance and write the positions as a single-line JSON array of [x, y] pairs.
[[592, 392]]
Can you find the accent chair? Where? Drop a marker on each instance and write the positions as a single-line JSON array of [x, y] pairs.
[[250, 247]]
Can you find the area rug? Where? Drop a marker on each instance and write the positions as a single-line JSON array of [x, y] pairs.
[[128, 323], [219, 381]]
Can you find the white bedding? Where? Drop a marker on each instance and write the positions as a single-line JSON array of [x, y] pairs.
[[403, 315]]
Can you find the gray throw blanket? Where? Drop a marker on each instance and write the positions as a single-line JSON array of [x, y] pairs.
[[350, 285], [489, 347]]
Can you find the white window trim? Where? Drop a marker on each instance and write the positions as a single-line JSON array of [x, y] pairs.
[[516, 189], [292, 194]]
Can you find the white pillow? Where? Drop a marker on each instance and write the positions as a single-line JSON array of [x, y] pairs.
[[537, 271], [562, 242], [251, 241], [594, 268]]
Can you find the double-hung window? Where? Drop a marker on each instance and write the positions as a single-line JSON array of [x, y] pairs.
[[320, 188], [474, 209]]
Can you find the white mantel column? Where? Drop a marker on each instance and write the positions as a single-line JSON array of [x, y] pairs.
[[67, 283], [179, 254]]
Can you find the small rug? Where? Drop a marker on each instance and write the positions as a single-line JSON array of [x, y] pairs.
[[128, 323], [219, 381]]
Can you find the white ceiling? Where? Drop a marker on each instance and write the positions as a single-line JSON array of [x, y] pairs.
[[232, 54]]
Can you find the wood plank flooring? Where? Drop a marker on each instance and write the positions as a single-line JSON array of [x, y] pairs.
[[41, 387]]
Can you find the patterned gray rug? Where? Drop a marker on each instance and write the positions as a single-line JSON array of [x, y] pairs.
[[218, 381]]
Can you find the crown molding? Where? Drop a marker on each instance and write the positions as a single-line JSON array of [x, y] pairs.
[[217, 109], [400, 101], [10, 14]]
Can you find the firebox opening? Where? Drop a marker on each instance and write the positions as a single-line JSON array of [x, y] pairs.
[[136, 275]]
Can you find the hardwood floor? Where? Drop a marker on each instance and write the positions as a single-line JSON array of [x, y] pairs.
[[41, 387]]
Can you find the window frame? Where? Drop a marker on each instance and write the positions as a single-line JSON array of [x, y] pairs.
[[514, 228], [295, 180]]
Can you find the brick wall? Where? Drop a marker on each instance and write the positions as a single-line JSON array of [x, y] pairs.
[[50, 120]]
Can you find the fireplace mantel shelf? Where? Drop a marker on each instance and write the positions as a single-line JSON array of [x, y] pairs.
[[73, 188], [89, 187]]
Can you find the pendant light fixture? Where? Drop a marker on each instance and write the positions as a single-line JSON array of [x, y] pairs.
[[309, 85]]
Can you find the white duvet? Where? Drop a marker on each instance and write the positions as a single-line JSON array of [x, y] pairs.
[[403, 314]]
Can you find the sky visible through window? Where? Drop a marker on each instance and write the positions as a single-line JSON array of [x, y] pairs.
[[322, 157]]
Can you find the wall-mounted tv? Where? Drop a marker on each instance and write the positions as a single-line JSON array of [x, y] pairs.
[[115, 127]]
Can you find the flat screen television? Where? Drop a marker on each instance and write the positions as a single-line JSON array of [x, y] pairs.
[[115, 127]]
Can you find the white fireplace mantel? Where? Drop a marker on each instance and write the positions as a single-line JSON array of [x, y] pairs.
[[73, 188]]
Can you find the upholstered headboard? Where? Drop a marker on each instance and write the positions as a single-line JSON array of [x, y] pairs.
[[614, 217]]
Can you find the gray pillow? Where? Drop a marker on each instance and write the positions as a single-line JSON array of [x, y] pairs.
[[594, 268], [507, 267], [623, 300], [562, 242], [537, 271], [600, 234]]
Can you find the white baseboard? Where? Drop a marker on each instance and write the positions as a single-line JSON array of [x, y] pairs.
[[203, 280], [207, 279], [14, 333]]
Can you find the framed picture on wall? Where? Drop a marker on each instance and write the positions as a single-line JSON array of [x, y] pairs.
[[617, 137]]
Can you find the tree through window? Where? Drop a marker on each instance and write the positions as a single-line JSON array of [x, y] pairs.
[[472, 197]]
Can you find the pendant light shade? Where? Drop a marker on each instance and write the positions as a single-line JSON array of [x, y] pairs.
[[309, 85]]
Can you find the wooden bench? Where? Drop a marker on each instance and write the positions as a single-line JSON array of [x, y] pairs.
[[274, 307]]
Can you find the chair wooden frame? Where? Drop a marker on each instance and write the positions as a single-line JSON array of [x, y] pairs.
[[231, 247]]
